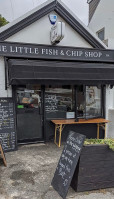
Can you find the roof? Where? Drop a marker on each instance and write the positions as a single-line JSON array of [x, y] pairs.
[[61, 9], [92, 7]]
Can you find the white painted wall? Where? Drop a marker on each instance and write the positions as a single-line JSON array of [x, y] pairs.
[[39, 33], [3, 92], [104, 18], [110, 112]]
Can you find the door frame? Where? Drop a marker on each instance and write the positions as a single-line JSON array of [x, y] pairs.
[[42, 112]]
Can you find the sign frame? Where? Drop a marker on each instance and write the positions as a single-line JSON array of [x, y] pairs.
[[27, 50], [3, 155], [67, 163], [14, 116]]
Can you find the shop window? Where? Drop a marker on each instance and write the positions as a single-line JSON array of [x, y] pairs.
[[89, 102], [29, 97], [59, 102], [80, 101], [93, 101]]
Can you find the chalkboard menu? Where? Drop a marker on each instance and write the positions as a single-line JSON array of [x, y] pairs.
[[51, 103], [7, 124], [67, 163]]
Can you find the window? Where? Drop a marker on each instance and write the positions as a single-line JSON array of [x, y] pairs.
[[93, 101], [101, 34], [59, 102], [29, 97], [80, 101]]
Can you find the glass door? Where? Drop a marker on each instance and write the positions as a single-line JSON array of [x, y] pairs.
[[29, 113]]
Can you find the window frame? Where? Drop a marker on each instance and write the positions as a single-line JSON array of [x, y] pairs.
[[102, 103], [99, 31]]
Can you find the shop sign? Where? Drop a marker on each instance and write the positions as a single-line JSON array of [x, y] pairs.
[[55, 52], [67, 164]]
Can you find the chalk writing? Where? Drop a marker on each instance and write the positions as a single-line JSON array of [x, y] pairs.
[[51, 103], [67, 163], [7, 124]]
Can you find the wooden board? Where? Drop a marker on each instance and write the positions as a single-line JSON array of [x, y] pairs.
[[67, 163], [81, 121], [3, 155]]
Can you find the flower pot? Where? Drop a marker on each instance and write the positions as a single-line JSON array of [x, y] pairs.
[[95, 169]]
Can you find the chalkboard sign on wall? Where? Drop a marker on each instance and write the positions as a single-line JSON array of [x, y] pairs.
[[7, 124], [51, 103], [67, 163]]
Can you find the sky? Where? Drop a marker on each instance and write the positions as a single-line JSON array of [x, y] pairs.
[[12, 9]]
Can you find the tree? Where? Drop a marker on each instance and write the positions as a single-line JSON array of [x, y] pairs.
[[3, 21]]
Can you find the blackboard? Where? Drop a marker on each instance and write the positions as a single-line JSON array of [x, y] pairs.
[[67, 163], [51, 103], [7, 124]]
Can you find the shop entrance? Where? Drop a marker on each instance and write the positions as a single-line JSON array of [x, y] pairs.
[[29, 113]]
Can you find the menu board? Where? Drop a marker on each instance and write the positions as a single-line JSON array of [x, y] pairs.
[[67, 163], [51, 103], [7, 124]]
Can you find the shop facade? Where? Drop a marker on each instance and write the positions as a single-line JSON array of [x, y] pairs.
[[67, 80]]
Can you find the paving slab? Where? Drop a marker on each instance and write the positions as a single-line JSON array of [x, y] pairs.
[[29, 173]]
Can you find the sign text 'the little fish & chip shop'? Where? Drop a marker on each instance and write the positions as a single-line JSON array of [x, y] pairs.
[[54, 52]]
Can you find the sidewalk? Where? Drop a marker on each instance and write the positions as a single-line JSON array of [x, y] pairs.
[[30, 171]]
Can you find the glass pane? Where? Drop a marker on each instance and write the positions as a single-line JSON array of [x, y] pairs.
[[29, 97], [80, 101], [59, 102], [93, 101], [101, 35]]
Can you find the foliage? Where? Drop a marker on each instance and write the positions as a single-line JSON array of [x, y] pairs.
[[3, 21], [109, 142]]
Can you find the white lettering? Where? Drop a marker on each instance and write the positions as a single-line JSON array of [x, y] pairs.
[[31, 51], [26, 49], [11, 49], [46, 51], [50, 52], [74, 53], [4, 49], [55, 52], [68, 53], [36, 51], [43, 50], [93, 54], [80, 53], [16, 49], [20, 49]]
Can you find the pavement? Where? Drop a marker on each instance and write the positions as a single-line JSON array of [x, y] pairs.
[[29, 173]]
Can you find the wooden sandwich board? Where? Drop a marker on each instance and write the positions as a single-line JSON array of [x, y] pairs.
[[68, 163], [3, 155]]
